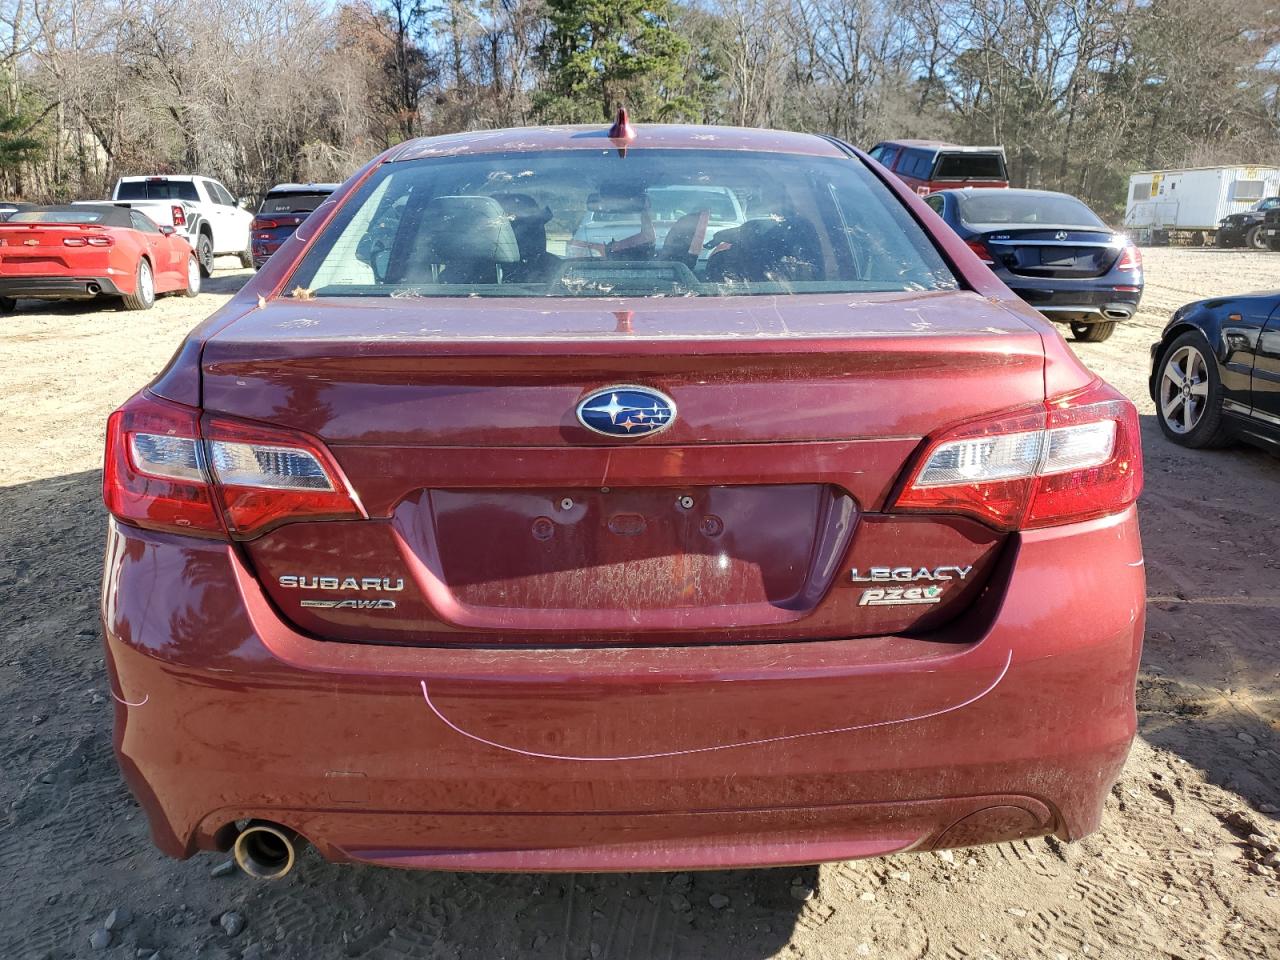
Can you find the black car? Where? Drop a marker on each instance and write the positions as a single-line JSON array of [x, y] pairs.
[[1052, 251], [1246, 229], [1215, 372]]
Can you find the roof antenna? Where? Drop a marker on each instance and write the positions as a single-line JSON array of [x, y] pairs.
[[622, 132], [622, 128]]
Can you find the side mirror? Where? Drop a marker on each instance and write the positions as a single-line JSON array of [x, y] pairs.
[[168, 231]]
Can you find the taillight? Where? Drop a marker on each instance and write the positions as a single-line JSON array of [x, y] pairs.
[[166, 470], [179, 215], [981, 250], [1073, 458], [154, 474], [260, 224], [1130, 258], [266, 476]]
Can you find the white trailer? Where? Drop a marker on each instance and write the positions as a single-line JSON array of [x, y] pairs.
[[1190, 202]]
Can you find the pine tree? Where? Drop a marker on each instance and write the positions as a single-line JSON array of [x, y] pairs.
[[601, 54]]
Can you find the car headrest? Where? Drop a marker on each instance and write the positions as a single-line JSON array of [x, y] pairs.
[[470, 229]]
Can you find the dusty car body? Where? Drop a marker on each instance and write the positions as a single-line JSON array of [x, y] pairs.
[[440, 551]]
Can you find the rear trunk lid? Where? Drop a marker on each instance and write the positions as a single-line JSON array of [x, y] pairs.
[[1056, 252], [497, 518], [43, 249]]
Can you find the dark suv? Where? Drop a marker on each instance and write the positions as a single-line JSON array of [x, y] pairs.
[[1249, 229]]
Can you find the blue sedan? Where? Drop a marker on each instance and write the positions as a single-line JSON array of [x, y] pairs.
[[1052, 251]]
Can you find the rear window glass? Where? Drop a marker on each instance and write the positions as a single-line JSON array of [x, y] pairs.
[[591, 223], [58, 216], [970, 166], [157, 190], [1005, 206], [292, 202]]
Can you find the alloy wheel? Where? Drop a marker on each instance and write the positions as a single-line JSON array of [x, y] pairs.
[[1184, 389]]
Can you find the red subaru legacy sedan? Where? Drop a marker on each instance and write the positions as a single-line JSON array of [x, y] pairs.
[[767, 528]]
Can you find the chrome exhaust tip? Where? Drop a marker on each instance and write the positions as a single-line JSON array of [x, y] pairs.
[[94, 289], [1113, 313], [265, 850]]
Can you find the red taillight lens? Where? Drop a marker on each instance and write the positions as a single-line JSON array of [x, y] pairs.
[[265, 476], [981, 250], [1130, 258], [179, 216], [161, 473], [154, 474], [260, 224], [1074, 458]]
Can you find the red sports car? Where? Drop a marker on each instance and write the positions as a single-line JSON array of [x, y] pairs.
[[82, 251], [442, 545]]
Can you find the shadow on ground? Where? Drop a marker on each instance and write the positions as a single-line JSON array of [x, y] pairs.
[[1210, 683]]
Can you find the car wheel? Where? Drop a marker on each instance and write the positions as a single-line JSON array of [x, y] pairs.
[[204, 253], [144, 289], [1093, 332], [193, 276], [8, 304], [1197, 238], [1189, 394], [1254, 239], [246, 256]]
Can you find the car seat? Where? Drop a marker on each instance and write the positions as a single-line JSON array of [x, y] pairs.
[[464, 239]]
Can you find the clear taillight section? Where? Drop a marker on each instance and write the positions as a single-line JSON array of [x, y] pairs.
[[168, 470], [1074, 458]]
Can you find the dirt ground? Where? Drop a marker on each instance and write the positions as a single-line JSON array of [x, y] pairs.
[[1170, 874]]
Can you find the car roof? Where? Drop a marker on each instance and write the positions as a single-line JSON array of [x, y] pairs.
[[111, 215], [939, 145], [596, 137], [304, 188], [1005, 192], [189, 178]]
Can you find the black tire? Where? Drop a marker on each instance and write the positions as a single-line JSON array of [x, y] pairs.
[[144, 295], [8, 304], [194, 274], [246, 256], [1254, 239], [1197, 238], [1206, 429], [204, 253], [1093, 332]]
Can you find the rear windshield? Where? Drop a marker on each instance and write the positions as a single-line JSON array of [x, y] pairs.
[[592, 223], [969, 166], [157, 190], [1001, 206], [292, 202]]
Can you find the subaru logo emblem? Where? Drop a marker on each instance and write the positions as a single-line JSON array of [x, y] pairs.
[[626, 411]]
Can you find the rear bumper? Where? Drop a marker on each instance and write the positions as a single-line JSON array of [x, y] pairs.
[[1013, 724], [1093, 300], [58, 288]]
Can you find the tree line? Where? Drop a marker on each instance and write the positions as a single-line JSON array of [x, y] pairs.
[[1080, 92]]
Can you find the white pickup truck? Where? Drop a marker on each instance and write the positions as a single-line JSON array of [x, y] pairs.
[[201, 209]]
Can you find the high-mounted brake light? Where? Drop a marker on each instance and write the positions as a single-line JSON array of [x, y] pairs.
[[167, 470], [1072, 458]]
